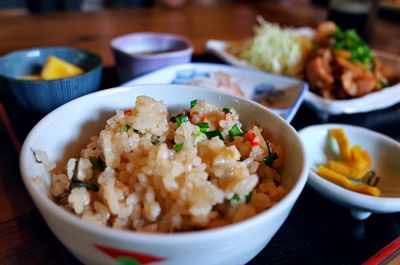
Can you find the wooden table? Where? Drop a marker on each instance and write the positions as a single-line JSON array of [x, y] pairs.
[[316, 232], [94, 31]]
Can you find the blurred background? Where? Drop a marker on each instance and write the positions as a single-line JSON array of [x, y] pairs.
[[42, 6], [385, 8]]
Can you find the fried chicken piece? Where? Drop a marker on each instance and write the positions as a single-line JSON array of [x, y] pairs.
[[324, 31], [319, 72], [356, 85]]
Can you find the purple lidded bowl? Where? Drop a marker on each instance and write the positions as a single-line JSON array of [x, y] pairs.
[[140, 53]]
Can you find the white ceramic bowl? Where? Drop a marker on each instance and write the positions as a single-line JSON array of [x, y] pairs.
[[63, 132], [384, 152]]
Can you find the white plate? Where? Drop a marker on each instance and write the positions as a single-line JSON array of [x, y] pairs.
[[374, 101], [283, 95], [384, 153]]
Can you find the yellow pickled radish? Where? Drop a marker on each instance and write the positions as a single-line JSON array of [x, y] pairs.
[[343, 181], [56, 68], [360, 158], [347, 169], [352, 168], [343, 142], [31, 77]]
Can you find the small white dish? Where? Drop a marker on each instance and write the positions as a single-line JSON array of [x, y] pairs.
[[283, 95], [373, 101], [384, 153]]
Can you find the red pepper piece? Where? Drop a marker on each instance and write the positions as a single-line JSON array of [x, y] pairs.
[[250, 136]]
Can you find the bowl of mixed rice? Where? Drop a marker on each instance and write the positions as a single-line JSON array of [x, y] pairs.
[[163, 174]]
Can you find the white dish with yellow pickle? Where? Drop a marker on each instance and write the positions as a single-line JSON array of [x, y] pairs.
[[354, 167]]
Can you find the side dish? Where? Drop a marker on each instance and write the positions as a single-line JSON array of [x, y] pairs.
[[273, 49], [341, 65], [217, 80], [56, 68], [336, 63], [150, 171], [352, 170]]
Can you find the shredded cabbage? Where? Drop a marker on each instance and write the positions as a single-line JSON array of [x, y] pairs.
[[274, 49]]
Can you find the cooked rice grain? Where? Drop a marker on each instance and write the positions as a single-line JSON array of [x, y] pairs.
[[147, 185]]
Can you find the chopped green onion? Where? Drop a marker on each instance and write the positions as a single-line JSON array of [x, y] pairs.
[[349, 40], [126, 128], [181, 119], [97, 163], [212, 134], [235, 131], [249, 196], [236, 197], [75, 183], [79, 184], [269, 159], [382, 83], [178, 147], [227, 110], [203, 126], [193, 103]]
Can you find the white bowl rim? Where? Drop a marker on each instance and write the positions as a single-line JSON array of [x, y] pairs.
[[386, 97], [179, 237], [342, 194], [188, 49]]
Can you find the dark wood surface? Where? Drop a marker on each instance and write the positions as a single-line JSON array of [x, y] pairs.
[[94, 31], [317, 230]]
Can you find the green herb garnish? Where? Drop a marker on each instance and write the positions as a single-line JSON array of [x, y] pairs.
[[212, 134], [314, 47], [235, 131], [126, 128], [349, 40], [79, 184], [269, 159], [193, 103], [97, 163], [382, 83], [249, 196], [76, 183], [203, 126], [236, 197], [227, 110], [178, 147], [181, 119]]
